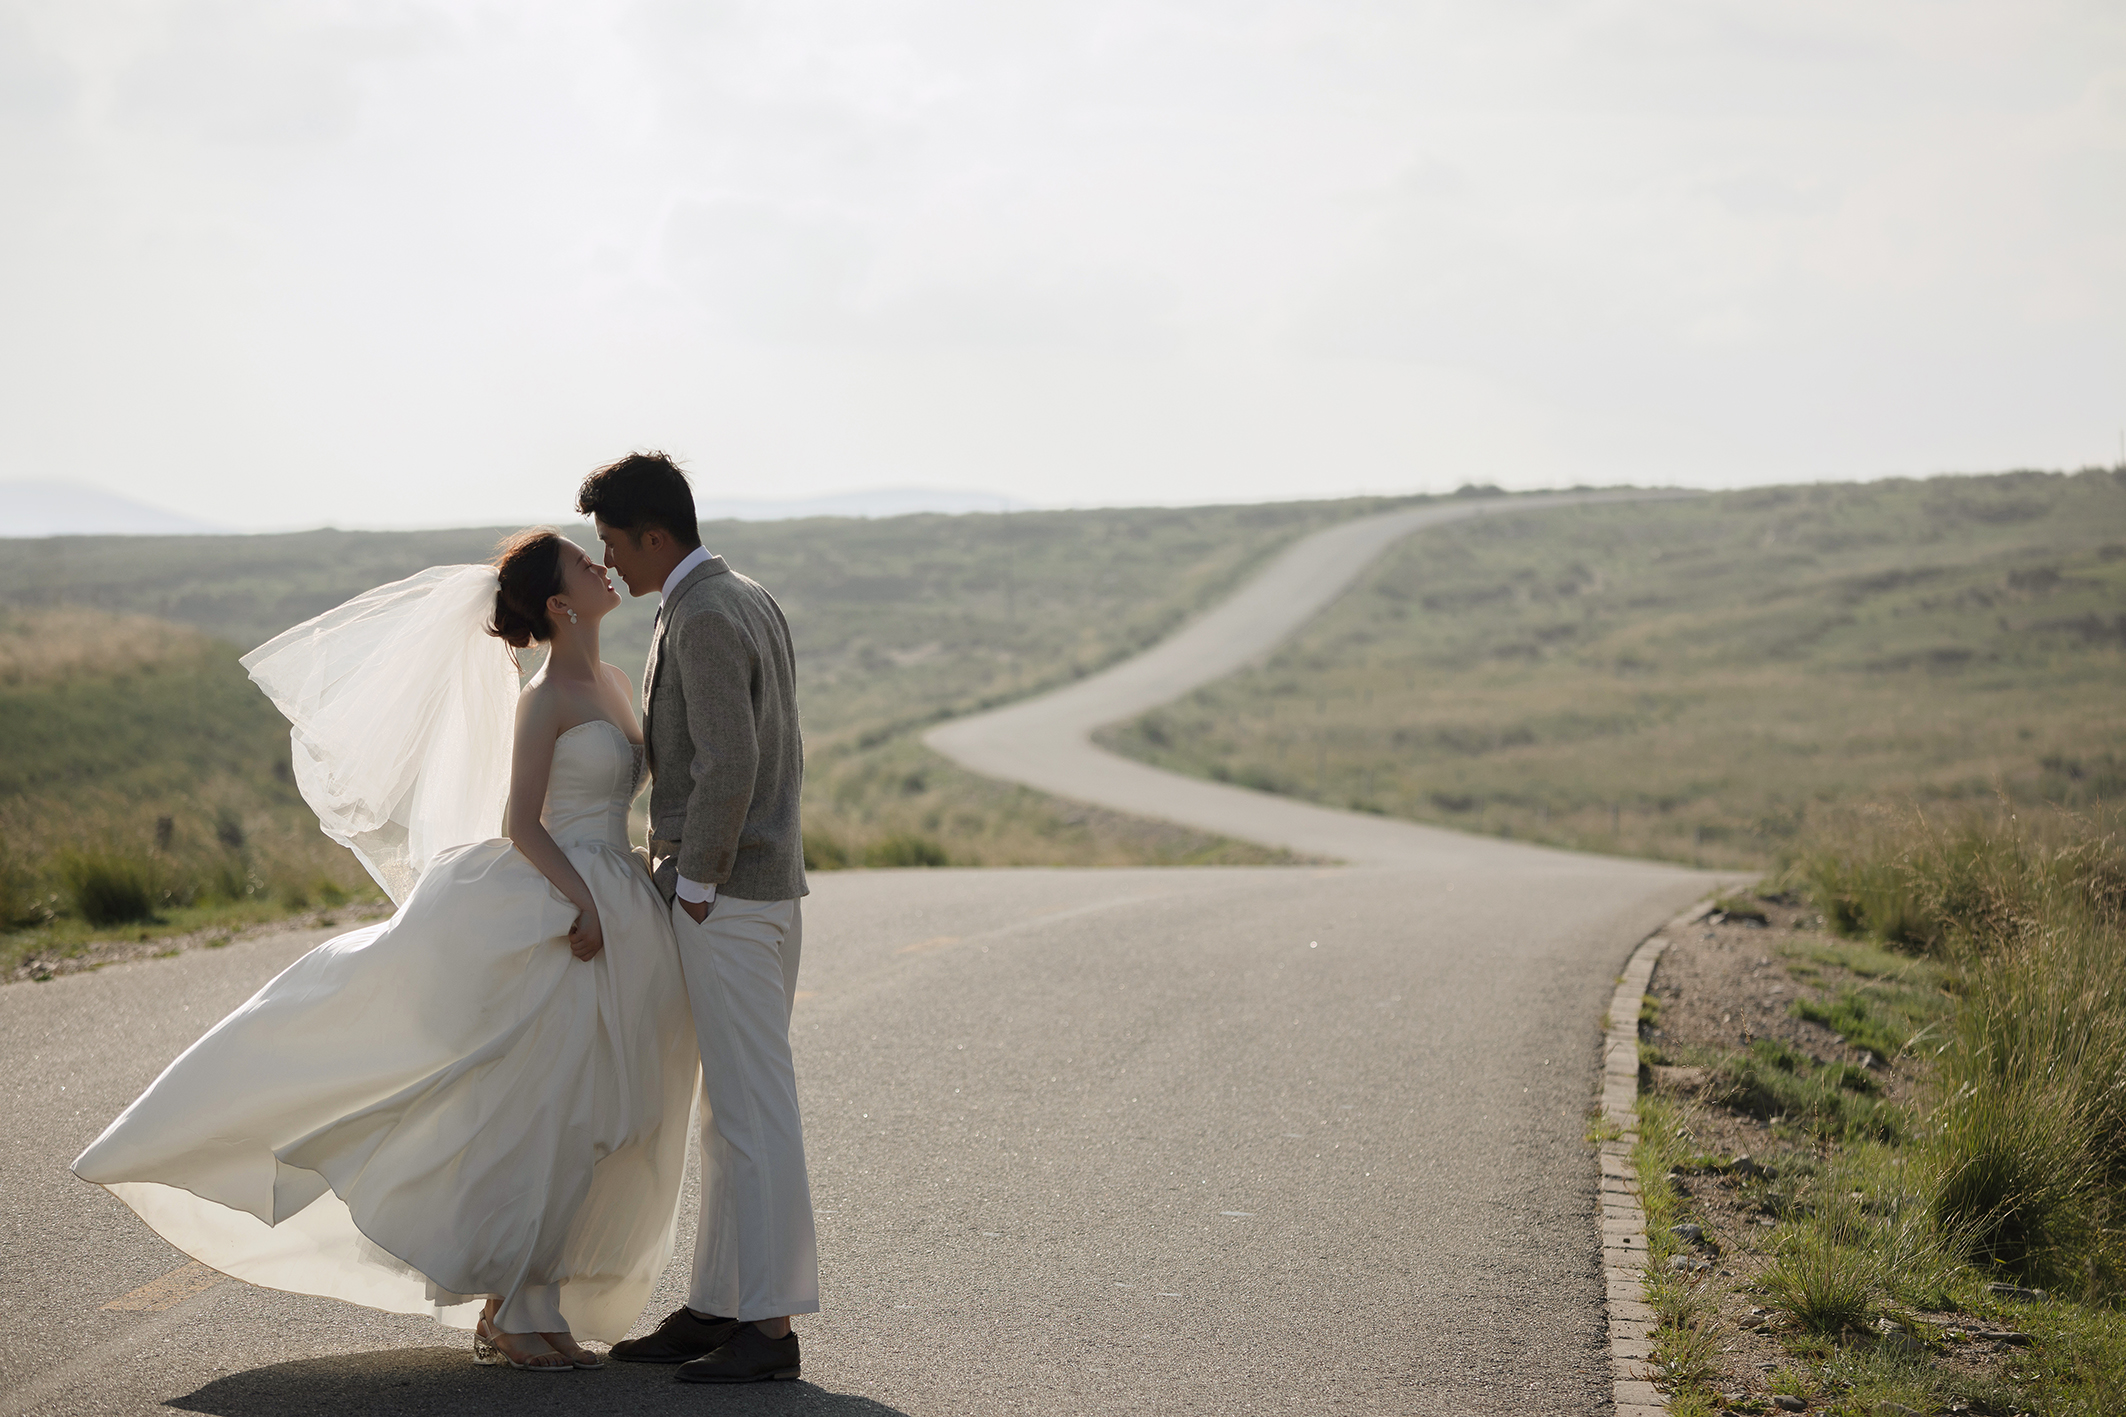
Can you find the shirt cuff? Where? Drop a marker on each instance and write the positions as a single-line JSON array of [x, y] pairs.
[[695, 893]]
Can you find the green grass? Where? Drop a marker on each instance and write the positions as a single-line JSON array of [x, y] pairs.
[[1899, 1007], [1739, 907], [1700, 680], [1772, 1079], [145, 790], [145, 780], [1686, 1339], [1827, 1289], [114, 888], [2078, 1367], [1940, 881], [1865, 1245], [2010, 926], [218, 919], [147, 718], [2029, 911], [1854, 1016], [1827, 1277], [2016, 1174], [898, 617], [1659, 1150], [898, 623], [1988, 957]]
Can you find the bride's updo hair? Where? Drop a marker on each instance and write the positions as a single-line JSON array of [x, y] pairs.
[[529, 569]]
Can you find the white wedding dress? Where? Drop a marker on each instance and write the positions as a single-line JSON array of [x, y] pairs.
[[448, 1104]]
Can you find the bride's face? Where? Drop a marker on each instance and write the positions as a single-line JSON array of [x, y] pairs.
[[585, 585]]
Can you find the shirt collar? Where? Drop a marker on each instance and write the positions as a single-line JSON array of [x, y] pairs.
[[699, 556]]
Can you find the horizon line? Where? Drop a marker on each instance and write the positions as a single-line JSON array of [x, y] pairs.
[[1009, 506]]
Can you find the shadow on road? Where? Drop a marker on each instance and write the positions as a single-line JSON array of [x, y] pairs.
[[445, 1380]]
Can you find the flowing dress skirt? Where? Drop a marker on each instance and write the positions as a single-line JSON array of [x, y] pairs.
[[439, 1107]]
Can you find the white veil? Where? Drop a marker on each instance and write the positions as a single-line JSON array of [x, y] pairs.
[[404, 708]]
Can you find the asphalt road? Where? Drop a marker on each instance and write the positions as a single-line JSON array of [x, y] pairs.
[[1217, 1141], [1083, 1141]]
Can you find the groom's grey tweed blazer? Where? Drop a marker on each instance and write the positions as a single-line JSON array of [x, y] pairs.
[[720, 717]]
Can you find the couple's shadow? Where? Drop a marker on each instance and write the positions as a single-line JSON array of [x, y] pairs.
[[445, 1380]]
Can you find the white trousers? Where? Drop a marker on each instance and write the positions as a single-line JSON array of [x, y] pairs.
[[755, 1256]]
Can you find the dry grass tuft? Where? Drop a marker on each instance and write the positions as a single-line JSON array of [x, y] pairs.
[[39, 647]]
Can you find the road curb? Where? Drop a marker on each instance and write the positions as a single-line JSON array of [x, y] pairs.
[[1620, 1219]]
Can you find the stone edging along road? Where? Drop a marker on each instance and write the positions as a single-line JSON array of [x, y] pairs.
[[1045, 742], [1624, 1245]]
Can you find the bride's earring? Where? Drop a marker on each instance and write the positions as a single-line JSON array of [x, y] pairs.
[[571, 610]]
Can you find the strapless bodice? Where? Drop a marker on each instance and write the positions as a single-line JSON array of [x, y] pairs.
[[596, 774]]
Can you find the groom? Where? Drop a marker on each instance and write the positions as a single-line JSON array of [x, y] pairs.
[[720, 720]]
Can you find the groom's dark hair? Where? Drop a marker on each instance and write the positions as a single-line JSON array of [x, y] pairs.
[[640, 490]]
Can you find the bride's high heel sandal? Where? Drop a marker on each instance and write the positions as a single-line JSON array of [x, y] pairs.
[[565, 1344], [488, 1352]]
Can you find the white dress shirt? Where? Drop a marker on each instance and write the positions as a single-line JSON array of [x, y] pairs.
[[693, 892]]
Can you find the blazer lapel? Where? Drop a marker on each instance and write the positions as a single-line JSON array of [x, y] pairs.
[[649, 669]]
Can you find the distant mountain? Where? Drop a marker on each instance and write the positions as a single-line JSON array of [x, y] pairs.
[[876, 502], [33, 509], [72, 509]]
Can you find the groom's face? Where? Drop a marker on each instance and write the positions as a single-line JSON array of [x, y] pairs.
[[626, 555]]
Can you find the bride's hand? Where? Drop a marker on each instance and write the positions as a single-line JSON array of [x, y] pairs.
[[587, 936]]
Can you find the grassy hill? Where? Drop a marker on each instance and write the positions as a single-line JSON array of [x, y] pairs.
[[144, 780], [1692, 680], [1689, 680], [906, 617], [122, 704]]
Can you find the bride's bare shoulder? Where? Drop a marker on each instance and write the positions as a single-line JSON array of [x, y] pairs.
[[538, 703]]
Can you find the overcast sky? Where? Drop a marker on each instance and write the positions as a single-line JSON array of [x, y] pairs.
[[409, 263]]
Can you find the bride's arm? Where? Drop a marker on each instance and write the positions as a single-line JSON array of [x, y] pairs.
[[531, 764]]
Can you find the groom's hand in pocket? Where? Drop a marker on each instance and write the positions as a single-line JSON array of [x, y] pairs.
[[697, 910]]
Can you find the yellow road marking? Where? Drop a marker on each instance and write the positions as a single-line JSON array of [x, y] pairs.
[[169, 1291], [935, 942]]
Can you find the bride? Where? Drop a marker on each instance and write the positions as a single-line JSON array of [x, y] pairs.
[[478, 1107]]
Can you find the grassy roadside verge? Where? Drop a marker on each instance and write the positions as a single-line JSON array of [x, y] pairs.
[[174, 932], [1881, 1142]]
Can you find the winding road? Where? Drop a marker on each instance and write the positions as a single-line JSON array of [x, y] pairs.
[[1046, 742], [1206, 1141]]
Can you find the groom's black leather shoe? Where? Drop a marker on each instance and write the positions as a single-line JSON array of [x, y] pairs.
[[749, 1356], [680, 1337]]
